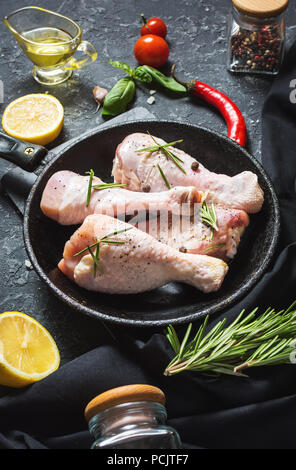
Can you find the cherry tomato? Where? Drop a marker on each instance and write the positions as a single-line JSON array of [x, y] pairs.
[[154, 26], [151, 50]]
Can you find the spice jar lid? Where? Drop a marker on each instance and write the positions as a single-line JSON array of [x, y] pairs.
[[120, 395], [261, 8]]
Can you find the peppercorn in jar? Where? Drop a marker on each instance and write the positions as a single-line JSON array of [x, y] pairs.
[[257, 36]]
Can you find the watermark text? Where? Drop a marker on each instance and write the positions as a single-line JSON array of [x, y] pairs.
[[1, 92], [293, 353], [293, 92]]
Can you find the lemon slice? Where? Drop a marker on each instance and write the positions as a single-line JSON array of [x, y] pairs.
[[36, 118], [28, 353]]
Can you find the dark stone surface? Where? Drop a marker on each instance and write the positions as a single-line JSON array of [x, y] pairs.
[[197, 38]]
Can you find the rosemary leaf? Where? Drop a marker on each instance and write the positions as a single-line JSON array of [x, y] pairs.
[[214, 247], [148, 149], [96, 262], [91, 175], [176, 160], [117, 232], [159, 147], [97, 253], [113, 242], [164, 177], [185, 340], [100, 187], [174, 339]]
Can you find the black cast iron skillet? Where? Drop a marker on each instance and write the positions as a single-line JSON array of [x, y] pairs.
[[174, 303]]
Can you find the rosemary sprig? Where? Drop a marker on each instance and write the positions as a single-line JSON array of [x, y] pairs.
[[164, 177], [168, 153], [98, 187], [250, 341], [91, 174], [105, 240], [209, 217], [97, 244]]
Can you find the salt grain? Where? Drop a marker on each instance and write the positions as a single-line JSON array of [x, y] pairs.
[[28, 264], [151, 100]]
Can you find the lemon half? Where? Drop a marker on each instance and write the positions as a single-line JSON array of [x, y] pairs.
[[36, 118], [28, 353]]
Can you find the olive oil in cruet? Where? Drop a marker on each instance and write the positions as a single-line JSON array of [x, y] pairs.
[[47, 46]]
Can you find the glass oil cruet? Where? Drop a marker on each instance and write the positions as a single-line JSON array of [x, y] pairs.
[[49, 40], [131, 417]]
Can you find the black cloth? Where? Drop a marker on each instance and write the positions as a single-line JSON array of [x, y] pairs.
[[224, 412]]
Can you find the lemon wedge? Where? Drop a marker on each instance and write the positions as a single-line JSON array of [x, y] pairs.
[[36, 118], [28, 353]]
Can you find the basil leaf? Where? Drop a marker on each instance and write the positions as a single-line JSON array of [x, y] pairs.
[[142, 76], [167, 82], [122, 66], [119, 97]]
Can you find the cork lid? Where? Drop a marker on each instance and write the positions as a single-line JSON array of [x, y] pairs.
[[261, 8], [117, 396]]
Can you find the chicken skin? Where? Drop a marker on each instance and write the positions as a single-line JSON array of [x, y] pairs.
[[64, 199], [140, 172], [191, 235], [139, 263]]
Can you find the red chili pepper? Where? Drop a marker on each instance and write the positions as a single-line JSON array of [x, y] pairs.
[[237, 130]]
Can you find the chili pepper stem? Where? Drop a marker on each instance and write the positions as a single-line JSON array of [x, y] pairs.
[[188, 85]]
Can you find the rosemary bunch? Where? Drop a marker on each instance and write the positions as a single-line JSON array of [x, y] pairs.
[[250, 341]]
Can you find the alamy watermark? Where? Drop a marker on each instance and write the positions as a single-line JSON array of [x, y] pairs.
[[293, 353], [293, 92], [1, 92]]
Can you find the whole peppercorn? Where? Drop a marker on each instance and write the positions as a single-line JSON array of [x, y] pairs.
[[195, 166], [146, 188]]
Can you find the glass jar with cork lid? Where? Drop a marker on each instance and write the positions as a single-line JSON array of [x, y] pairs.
[[257, 36], [130, 417]]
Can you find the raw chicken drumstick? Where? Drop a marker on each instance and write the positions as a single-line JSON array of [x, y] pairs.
[[140, 172], [140, 264], [191, 235], [64, 199]]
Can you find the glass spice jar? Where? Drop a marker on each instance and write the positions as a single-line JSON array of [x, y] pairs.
[[257, 36], [131, 417]]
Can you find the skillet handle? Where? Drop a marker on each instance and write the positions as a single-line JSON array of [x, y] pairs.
[[23, 154]]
